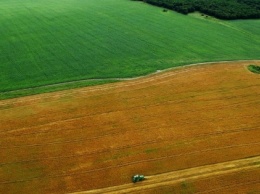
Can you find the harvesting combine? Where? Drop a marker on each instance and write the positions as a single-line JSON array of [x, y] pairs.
[[137, 178]]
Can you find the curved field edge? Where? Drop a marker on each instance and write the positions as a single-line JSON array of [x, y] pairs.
[[182, 176], [54, 88], [112, 38], [93, 82]]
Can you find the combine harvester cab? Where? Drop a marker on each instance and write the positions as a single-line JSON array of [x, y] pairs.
[[137, 178]]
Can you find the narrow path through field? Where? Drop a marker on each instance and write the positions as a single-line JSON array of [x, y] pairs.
[[182, 175]]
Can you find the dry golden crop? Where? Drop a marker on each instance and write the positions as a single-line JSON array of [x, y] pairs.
[[100, 136]]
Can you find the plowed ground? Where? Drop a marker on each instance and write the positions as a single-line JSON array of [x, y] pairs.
[[97, 137]]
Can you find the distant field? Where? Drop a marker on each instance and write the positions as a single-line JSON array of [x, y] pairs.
[[97, 137], [48, 42]]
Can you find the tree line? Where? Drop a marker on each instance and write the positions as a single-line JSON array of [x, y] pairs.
[[222, 9]]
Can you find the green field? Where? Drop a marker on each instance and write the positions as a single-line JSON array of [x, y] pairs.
[[51, 41]]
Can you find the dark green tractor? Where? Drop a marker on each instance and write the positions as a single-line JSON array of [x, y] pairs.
[[137, 178]]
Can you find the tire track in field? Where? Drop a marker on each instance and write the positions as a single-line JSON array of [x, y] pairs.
[[12, 131], [158, 140], [53, 176], [166, 103], [44, 132], [89, 154], [213, 190], [207, 191], [169, 178]]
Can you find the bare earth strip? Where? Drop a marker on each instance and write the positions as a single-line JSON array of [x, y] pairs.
[[182, 175]]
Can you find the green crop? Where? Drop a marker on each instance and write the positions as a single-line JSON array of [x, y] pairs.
[[49, 42], [254, 68]]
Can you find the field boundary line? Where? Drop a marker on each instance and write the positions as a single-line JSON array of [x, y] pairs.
[[128, 78]]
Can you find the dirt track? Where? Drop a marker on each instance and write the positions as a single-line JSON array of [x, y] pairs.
[[182, 175]]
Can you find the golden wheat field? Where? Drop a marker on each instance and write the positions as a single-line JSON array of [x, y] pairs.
[[97, 137]]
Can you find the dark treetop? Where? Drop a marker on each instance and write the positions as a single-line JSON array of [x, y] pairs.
[[223, 9]]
